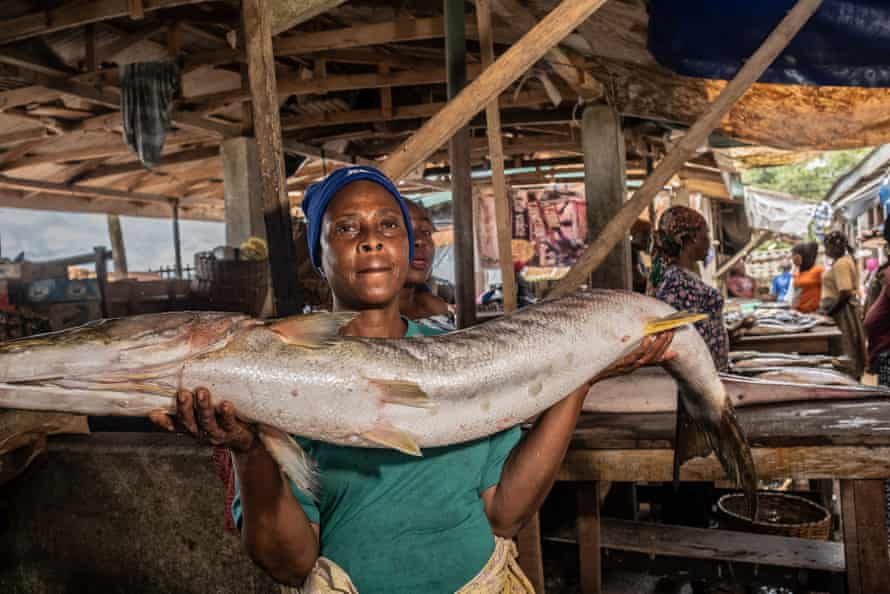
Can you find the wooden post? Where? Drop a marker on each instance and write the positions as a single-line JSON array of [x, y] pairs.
[[117, 245], [177, 245], [102, 279], [461, 183], [618, 227], [528, 543], [588, 534], [496, 159], [561, 21], [757, 238], [605, 188], [863, 513], [267, 127]]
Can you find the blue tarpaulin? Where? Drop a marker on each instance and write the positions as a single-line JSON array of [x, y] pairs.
[[846, 43]]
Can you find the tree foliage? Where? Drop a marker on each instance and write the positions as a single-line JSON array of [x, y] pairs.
[[810, 179]]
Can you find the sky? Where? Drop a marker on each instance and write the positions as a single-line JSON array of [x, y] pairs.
[[45, 235]]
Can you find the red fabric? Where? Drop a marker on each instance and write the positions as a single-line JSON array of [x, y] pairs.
[[877, 322], [225, 470]]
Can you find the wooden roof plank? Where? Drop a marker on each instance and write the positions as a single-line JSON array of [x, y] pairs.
[[76, 14]]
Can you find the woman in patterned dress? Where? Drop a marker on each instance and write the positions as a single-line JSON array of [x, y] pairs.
[[679, 244]]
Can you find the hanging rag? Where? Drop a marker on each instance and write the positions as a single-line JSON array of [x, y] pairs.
[[148, 91]]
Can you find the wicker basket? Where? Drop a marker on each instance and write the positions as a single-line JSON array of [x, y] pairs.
[[778, 514]]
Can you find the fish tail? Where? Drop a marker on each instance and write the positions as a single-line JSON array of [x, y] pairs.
[[697, 437], [674, 320], [291, 458]]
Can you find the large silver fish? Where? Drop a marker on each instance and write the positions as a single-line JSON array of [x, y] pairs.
[[298, 376]]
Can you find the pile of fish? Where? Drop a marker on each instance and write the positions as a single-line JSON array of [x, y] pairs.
[[651, 390], [802, 368], [298, 376], [776, 321]]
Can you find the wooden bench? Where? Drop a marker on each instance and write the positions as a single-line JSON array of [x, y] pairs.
[[848, 441]]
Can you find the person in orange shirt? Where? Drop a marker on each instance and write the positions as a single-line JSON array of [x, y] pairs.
[[807, 281]]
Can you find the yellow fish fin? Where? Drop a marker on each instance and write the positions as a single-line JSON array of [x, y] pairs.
[[390, 437], [311, 331], [675, 320], [402, 392]]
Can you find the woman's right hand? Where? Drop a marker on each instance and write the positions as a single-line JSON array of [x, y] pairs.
[[217, 426]]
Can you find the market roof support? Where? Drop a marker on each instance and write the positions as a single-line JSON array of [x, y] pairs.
[[619, 226], [496, 159], [267, 126], [604, 189], [758, 238], [461, 184], [116, 235], [488, 85], [177, 243]]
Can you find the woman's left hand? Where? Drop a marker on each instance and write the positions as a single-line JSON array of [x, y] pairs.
[[652, 350]]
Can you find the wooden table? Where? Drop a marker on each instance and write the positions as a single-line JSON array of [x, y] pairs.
[[821, 340], [849, 441]]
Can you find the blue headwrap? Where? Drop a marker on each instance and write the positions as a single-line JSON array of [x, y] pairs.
[[319, 196]]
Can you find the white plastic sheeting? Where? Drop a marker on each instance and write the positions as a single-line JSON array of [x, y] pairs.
[[777, 212]]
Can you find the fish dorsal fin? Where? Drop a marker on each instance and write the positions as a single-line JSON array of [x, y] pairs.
[[396, 439], [675, 320], [402, 392], [311, 331]]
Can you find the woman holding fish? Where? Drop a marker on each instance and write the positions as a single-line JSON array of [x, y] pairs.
[[385, 521]]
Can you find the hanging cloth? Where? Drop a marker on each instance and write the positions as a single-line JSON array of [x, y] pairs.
[[148, 91]]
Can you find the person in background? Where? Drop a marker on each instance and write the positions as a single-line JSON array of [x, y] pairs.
[[679, 244], [807, 281], [781, 285], [840, 299], [877, 285], [416, 302], [739, 284], [877, 329]]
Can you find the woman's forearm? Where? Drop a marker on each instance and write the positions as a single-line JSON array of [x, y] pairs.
[[531, 469], [842, 299], [275, 531]]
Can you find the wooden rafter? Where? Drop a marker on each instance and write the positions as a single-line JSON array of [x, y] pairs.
[[178, 158], [28, 185], [76, 14], [488, 85]]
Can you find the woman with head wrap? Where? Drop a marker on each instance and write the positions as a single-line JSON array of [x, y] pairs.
[[416, 302], [679, 244], [877, 319], [386, 521], [840, 299], [807, 281]]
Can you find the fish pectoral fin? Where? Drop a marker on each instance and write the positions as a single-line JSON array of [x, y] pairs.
[[402, 392], [393, 438], [675, 320], [291, 458], [311, 331]]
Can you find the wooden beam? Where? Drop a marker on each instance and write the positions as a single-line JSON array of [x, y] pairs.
[[400, 112], [287, 14], [267, 127], [618, 227], [863, 513], [488, 85], [605, 190], [136, 9], [205, 211], [520, 19], [461, 183], [757, 239], [307, 150], [76, 14], [118, 252], [496, 158], [17, 183], [126, 41], [294, 85], [186, 156]]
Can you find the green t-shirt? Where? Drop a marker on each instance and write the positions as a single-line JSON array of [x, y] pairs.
[[397, 523]]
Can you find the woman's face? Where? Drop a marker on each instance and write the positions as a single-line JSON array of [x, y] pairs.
[[834, 251], [797, 260], [364, 246], [424, 249]]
